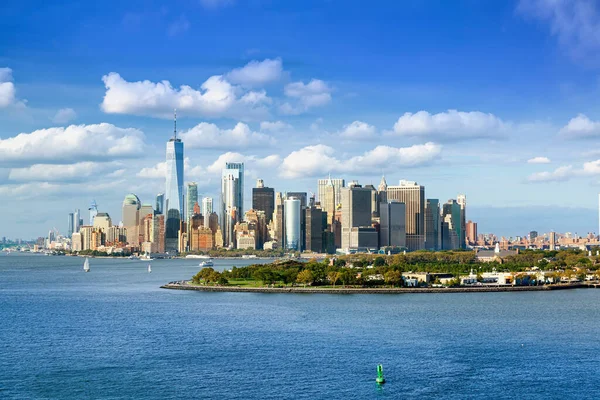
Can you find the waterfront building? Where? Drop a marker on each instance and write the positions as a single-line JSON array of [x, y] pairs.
[[116, 236], [552, 240], [86, 237], [160, 203], [433, 227], [207, 209], [413, 196], [303, 197], [158, 233], [93, 209], [146, 210], [314, 229], [263, 199], [356, 212], [173, 202], [76, 242], [392, 225], [131, 218], [292, 211], [338, 184], [257, 219], [102, 222], [191, 199], [471, 232], [237, 169]]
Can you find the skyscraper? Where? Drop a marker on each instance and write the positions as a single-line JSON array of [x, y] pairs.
[[207, 209], [292, 224], [433, 232], [93, 209], [314, 229], [174, 191], [392, 227], [451, 214], [303, 197], [229, 205], [471, 232], [70, 225], [461, 199], [76, 221], [338, 184], [237, 168], [413, 195], [327, 199], [160, 203], [131, 218], [192, 198], [356, 213], [263, 199]]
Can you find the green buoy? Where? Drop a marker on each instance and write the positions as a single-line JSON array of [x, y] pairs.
[[380, 379]]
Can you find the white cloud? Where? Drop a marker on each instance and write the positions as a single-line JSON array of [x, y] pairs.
[[159, 170], [452, 124], [8, 90], [320, 159], [312, 94], [210, 136], [275, 126], [576, 24], [559, 174], [257, 72], [580, 127], [358, 130], [216, 98], [64, 115], [100, 142], [538, 160], [61, 173]]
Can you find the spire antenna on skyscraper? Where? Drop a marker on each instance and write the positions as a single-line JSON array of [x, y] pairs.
[[175, 123]]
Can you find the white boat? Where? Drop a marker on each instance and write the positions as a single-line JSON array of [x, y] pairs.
[[197, 256], [86, 265], [149, 268], [207, 263], [132, 257]]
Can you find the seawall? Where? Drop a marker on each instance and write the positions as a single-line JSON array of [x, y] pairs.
[[342, 290]]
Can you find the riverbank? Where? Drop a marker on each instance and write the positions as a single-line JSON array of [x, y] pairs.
[[184, 285]]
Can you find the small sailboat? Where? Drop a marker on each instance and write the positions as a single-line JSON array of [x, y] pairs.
[[86, 265], [149, 268]]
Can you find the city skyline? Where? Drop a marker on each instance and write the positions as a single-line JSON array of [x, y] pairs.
[[401, 102]]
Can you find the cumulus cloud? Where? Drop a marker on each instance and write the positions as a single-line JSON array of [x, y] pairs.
[[8, 90], [576, 24], [275, 126], [257, 72], [538, 160], [580, 127], [159, 170], [451, 124], [312, 94], [358, 130], [217, 97], [62, 173], [210, 136], [64, 115], [320, 159], [100, 142], [559, 174]]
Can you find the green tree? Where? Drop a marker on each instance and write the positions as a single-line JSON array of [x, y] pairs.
[[379, 261], [305, 277], [393, 278], [333, 277]]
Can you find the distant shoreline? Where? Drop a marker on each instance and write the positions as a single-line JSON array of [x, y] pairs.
[[343, 290]]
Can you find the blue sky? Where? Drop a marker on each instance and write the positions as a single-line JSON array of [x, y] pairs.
[[497, 100]]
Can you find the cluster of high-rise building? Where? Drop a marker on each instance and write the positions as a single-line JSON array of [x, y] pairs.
[[341, 217]]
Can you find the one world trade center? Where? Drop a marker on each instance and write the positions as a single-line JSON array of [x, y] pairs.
[[174, 191]]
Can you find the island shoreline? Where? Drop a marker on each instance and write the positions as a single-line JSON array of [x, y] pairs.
[[309, 290]]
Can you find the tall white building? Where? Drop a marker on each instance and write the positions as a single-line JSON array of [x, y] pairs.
[[230, 208], [338, 184], [291, 210], [207, 209]]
